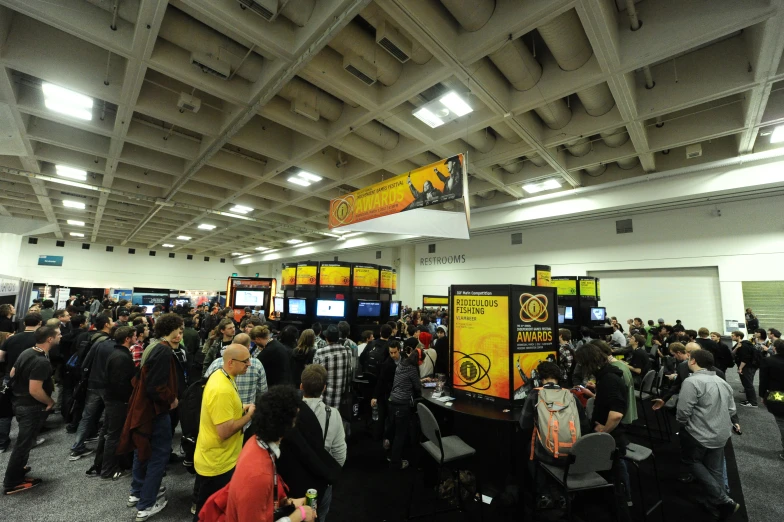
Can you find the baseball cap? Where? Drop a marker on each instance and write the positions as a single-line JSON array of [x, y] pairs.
[[660, 321], [123, 311]]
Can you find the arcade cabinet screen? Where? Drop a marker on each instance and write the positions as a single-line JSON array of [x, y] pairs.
[[369, 309], [297, 307], [598, 314], [249, 298], [325, 308]]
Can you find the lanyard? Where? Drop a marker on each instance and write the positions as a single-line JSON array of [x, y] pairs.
[[264, 445]]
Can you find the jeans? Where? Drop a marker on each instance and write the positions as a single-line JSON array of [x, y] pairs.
[[106, 454], [147, 475], [5, 430], [93, 407], [324, 503], [747, 380], [206, 486], [706, 465], [30, 419], [402, 415]]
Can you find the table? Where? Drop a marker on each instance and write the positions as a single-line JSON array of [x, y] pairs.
[[474, 408]]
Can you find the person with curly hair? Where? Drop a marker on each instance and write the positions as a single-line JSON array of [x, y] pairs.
[[220, 337]]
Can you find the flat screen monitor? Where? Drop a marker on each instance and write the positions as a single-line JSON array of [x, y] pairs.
[[279, 304], [394, 309], [568, 313], [148, 309], [259, 313], [598, 314], [297, 306], [368, 308], [327, 308], [561, 314], [249, 298], [438, 321], [181, 302]]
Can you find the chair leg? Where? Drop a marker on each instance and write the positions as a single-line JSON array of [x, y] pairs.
[[660, 502], [640, 488], [479, 487], [647, 423]]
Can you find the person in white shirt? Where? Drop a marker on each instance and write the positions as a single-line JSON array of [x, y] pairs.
[[314, 382], [617, 336]]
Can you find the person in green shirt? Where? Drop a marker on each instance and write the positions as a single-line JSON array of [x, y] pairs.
[[631, 410]]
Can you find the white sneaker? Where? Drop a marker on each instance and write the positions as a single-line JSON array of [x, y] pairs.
[[143, 515], [133, 500], [39, 441]]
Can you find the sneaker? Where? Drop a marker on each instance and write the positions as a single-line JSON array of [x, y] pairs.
[[156, 508], [133, 500], [91, 438], [174, 458], [93, 472], [39, 441], [27, 469], [544, 502], [120, 474], [748, 404], [77, 454], [387, 445], [727, 510], [193, 508], [71, 429], [4, 447], [23, 486]]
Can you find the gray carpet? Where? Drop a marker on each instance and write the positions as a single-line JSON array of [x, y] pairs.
[[756, 454]]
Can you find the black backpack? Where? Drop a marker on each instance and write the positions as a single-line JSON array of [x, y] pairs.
[[375, 357], [73, 367], [190, 415]]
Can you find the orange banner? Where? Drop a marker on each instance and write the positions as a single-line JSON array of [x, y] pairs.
[[435, 183], [306, 275], [394, 282], [289, 276]]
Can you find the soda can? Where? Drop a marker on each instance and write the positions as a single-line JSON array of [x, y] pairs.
[[310, 498]]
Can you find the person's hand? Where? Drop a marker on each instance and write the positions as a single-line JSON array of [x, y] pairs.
[[296, 502], [740, 372], [657, 404], [174, 404], [310, 513], [657, 342], [50, 406], [672, 376], [373, 403], [249, 409], [736, 428], [599, 428]]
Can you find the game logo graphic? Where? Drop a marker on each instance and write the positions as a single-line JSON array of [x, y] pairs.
[[525, 376], [535, 319], [306, 274]]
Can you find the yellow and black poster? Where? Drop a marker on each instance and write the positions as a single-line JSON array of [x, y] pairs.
[[534, 320], [334, 276], [289, 275], [387, 275], [435, 183], [543, 274], [307, 273], [431, 301], [588, 287], [366, 277], [566, 286], [394, 282], [480, 341]]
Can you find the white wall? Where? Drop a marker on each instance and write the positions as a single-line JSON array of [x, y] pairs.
[[745, 244], [10, 244], [101, 269]]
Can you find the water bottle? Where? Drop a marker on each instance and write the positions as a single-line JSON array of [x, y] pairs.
[[375, 412]]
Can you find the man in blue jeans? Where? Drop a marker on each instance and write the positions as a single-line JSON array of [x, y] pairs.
[[32, 388]]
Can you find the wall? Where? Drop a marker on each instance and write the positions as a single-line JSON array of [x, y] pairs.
[[100, 269], [10, 244], [745, 244]]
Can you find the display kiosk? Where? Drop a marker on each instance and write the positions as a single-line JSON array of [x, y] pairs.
[[252, 292]]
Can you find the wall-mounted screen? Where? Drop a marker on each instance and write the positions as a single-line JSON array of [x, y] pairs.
[[394, 309], [368, 308], [598, 314], [249, 298], [297, 306], [569, 313], [279, 304], [327, 308]]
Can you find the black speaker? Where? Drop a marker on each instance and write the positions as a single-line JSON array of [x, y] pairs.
[[60, 243], [131, 250], [206, 258], [152, 253], [85, 246], [32, 240], [110, 249], [171, 255]]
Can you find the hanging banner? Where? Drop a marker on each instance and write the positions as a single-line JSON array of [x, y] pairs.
[[542, 275], [566, 286], [306, 274], [436, 183], [334, 275], [387, 275], [435, 300], [366, 277], [588, 288], [289, 275]]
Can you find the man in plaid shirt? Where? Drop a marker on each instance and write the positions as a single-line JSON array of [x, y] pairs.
[[565, 357], [251, 384], [320, 342], [336, 358]]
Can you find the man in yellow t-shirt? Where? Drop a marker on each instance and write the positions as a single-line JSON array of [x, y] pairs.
[[223, 415]]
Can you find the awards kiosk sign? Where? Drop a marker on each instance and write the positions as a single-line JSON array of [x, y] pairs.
[[498, 335]]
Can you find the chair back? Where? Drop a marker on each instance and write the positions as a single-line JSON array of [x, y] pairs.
[[646, 386], [593, 452], [660, 378], [653, 351], [429, 426]]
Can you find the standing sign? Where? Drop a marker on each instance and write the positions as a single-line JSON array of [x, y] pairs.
[[542, 275], [534, 321]]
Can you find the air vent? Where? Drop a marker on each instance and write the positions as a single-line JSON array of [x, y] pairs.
[[517, 238], [222, 260], [152, 253], [624, 226], [85, 246], [110, 249], [60, 243], [267, 9], [131, 250], [378, 254], [336, 258], [393, 42], [431, 248], [188, 103], [171, 255], [189, 257], [206, 259], [32, 240], [211, 65], [359, 68]]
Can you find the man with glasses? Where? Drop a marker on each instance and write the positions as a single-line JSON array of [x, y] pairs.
[[223, 416]]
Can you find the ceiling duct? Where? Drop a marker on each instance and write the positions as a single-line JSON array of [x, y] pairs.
[[596, 170], [579, 147], [615, 137], [483, 140], [471, 15], [536, 159], [376, 17], [555, 114], [127, 10], [516, 62], [298, 11], [301, 93], [505, 131], [597, 100], [628, 163], [379, 134], [514, 166], [567, 41], [357, 47]]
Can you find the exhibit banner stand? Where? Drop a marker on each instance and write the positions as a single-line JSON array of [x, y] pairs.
[[498, 335]]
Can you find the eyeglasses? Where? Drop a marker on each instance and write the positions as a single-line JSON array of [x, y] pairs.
[[243, 361]]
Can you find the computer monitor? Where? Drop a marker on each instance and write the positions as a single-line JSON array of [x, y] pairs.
[[249, 298], [279, 304], [330, 309], [368, 308], [598, 314], [561, 314], [148, 309], [438, 321], [297, 306], [394, 309], [568, 313]]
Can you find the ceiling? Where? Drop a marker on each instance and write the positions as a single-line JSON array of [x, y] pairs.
[[559, 89]]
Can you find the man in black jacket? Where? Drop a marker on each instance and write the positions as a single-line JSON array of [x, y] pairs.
[[120, 367], [722, 355], [274, 356], [681, 372], [61, 354], [383, 389], [745, 358]]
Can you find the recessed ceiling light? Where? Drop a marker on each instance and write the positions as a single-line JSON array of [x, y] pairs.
[[205, 226], [184, 238], [456, 104], [294, 241], [75, 223], [239, 209], [65, 101], [70, 172], [778, 134], [261, 249], [236, 253], [428, 117], [77, 234], [167, 245], [308, 176], [73, 204], [550, 184], [299, 181]]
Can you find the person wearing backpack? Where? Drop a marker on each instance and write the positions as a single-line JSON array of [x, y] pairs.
[[382, 391], [375, 353], [544, 408], [748, 359]]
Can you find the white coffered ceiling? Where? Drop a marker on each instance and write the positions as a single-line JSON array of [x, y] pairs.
[[559, 89]]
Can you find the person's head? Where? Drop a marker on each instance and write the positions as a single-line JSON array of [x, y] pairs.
[[412, 359], [637, 322], [586, 332], [332, 334], [47, 337], [367, 336], [289, 336], [345, 329], [187, 322], [386, 331], [125, 335], [307, 339], [316, 327], [679, 352], [142, 332], [314, 380], [441, 331], [760, 334], [103, 323], [394, 350], [715, 336], [778, 347], [156, 311], [393, 327], [169, 327], [275, 413], [548, 372], [737, 336], [691, 333], [63, 316], [48, 303], [637, 341], [692, 347], [236, 359], [78, 321], [260, 335], [123, 314], [410, 345], [243, 339], [591, 358], [226, 329], [248, 311], [564, 335], [412, 330], [773, 334], [700, 360], [748, 310], [703, 332], [54, 321], [7, 310]]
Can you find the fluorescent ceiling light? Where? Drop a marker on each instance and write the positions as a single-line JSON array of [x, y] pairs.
[[205, 226], [294, 241], [77, 234], [778, 134], [184, 238], [261, 249], [238, 216], [71, 173], [73, 204], [308, 176], [75, 223], [167, 245], [299, 181], [428, 117], [239, 209], [550, 184], [456, 104], [328, 234], [67, 102], [236, 253]]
